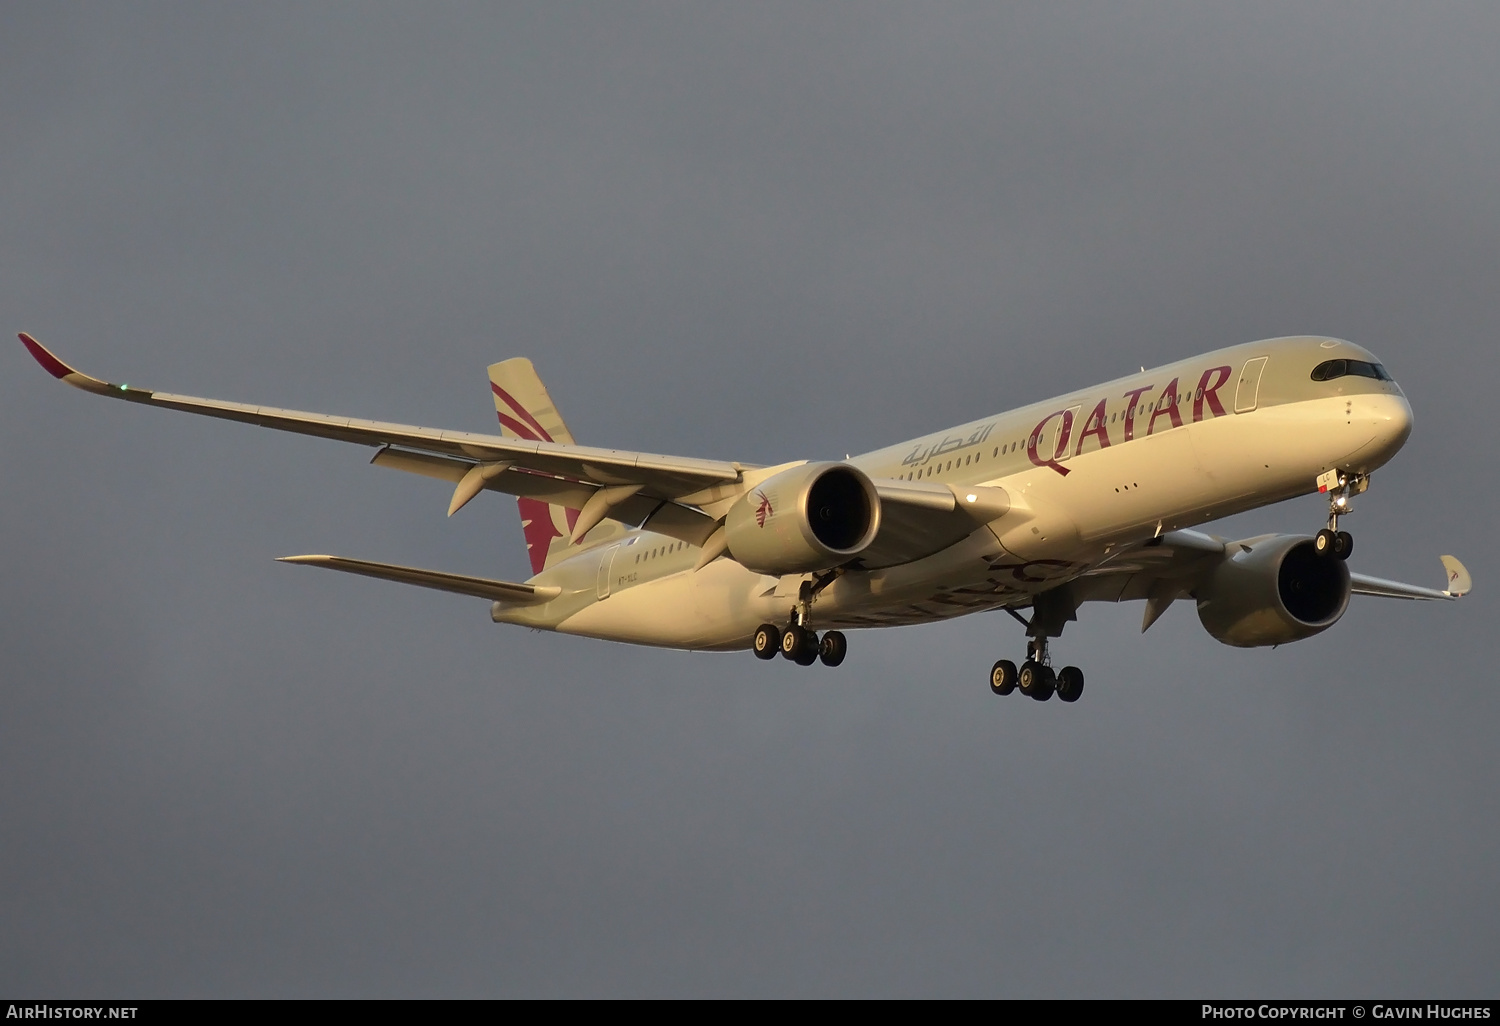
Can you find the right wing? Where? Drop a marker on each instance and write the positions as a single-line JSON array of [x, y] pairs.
[[1459, 583], [1167, 568]]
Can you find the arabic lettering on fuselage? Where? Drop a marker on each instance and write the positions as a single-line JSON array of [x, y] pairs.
[[922, 453]]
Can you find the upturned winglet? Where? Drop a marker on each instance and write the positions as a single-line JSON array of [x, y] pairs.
[[1459, 581], [52, 365]]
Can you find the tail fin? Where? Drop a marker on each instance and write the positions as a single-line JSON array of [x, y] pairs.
[[525, 408], [526, 411]]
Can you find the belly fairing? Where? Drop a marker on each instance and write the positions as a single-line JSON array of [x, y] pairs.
[[718, 607]]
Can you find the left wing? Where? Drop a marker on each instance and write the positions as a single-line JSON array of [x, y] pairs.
[[677, 496], [667, 477]]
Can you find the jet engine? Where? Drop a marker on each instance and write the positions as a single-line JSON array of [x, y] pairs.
[[1272, 590], [809, 518]]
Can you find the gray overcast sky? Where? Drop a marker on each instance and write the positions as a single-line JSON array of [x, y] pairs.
[[758, 232]]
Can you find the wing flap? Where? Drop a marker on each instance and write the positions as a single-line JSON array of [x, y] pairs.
[[460, 584]]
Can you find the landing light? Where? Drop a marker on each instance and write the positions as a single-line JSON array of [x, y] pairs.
[[972, 497]]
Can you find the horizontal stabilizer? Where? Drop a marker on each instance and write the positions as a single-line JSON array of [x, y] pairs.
[[1459, 584], [479, 587]]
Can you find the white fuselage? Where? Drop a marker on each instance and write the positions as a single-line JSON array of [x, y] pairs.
[[1086, 472]]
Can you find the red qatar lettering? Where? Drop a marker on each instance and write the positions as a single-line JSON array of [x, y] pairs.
[[1095, 426], [1132, 399], [1169, 397], [1210, 392], [1064, 432]]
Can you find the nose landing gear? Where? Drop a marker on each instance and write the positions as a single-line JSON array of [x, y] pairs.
[[1340, 488]]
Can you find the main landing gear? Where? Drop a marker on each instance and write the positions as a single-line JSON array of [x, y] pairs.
[[802, 646], [1340, 488], [1036, 678]]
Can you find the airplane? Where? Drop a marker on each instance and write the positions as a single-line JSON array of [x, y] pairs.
[[1089, 496]]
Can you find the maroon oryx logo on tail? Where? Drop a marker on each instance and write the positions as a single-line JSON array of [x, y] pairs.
[[763, 511]]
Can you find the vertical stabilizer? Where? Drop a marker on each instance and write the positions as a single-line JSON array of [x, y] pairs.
[[527, 411], [525, 408]]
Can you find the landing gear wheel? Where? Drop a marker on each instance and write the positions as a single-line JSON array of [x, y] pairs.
[[1035, 680], [767, 641], [1003, 677], [794, 642], [809, 654], [1324, 542], [832, 648], [1069, 683], [1049, 686], [1343, 544]]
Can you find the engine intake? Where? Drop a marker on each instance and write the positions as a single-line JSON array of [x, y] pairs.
[[1279, 591], [809, 518]]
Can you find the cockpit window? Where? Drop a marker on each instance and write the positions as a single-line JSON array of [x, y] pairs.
[[1330, 369]]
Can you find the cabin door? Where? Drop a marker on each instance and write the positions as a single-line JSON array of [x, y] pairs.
[[1066, 443], [1247, 392], [606, 569]]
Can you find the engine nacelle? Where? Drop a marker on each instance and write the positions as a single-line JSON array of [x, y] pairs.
[[809, 518], [1279, 591]]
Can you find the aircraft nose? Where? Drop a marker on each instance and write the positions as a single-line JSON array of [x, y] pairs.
[[1390, 415]]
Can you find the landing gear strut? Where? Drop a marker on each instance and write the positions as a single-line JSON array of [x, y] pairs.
[[1037, 679], [1340, 488]]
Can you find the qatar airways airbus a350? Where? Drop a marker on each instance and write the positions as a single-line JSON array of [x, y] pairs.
[[1089, 496]]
